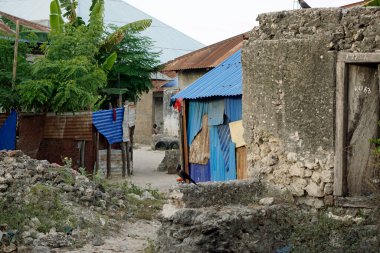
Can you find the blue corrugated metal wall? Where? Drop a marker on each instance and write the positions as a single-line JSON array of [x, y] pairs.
[[215, 112], [217, 165], [112, 130], [8, 132], [194, 123], [233, 108], [200, 172]]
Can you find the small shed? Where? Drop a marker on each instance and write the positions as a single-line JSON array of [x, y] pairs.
[[211, 109]]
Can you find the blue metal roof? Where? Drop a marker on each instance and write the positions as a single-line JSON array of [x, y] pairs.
[[112, 130], [224, 80]]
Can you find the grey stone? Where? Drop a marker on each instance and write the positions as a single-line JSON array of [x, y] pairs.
[[327, 176], [292, 157], [328, 189], [314, 190], [297, 188], [40, 249], [316, 177], [296, 170], [266, 201]]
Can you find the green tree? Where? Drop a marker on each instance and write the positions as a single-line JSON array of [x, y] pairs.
[[9, 98], [78, 58], [68, 78], [131, 73]]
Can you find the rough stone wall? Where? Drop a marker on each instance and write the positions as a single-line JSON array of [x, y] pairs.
[[235, 216], [289, 94]]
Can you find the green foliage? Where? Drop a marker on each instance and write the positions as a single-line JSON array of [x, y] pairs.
[[135, 62], [62, 85], [68, 78], [43, 202], [70, 8], [325, 235], [114, 39], [9, 98], [372, 3], [109, 62]]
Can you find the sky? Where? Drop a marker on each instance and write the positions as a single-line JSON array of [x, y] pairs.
[[210, 21]]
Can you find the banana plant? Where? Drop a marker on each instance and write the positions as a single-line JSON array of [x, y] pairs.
[[116, 37], [56, 20]]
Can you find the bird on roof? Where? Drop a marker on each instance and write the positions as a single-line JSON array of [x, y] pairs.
[[303, 4]]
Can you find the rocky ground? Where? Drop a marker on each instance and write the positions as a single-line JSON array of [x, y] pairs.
[[51, 208]]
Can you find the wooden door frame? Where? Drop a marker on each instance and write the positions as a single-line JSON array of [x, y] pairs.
[[341, 118]]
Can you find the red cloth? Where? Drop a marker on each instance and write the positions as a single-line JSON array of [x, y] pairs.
[[178, 104]]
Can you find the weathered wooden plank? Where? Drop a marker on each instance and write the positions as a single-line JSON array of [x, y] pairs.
[[355, 202], [359, 57], [241, 161], [363, 116], [340, 131], [200, 147]]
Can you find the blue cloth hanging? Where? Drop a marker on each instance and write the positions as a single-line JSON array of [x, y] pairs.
[[8, 132]]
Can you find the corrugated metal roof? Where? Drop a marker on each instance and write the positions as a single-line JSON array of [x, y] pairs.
[[361, 3], [75, 127], [25, 22], [207, 57], [224, 80], [112, 130], [170, 41]]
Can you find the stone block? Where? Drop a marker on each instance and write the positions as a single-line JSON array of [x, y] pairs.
[[266, 201], [292, 157], [327, 176], [328, 189], [314, 190], [314, 202], [316, 177], [296, 170], [270, 160], [297, 188], [329, 200], [308, 173]]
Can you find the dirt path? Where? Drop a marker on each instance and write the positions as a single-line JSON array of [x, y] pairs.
[[134, 236]]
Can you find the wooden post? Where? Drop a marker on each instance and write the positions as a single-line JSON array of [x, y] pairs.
[[97, 153], [130, 148], [108, 159], [123, 156], [15, 55], [340, 166], [185, 146], [82, 153], [128, 159]]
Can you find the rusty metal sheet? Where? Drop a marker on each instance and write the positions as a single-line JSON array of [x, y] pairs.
[[75, 127], [207, 57], [3, 117], [200, 147], [241, 161]]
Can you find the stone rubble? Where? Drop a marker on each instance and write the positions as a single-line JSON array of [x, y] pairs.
[[20, 176]]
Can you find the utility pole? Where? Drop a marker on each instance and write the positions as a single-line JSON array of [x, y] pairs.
[[15, 54]]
